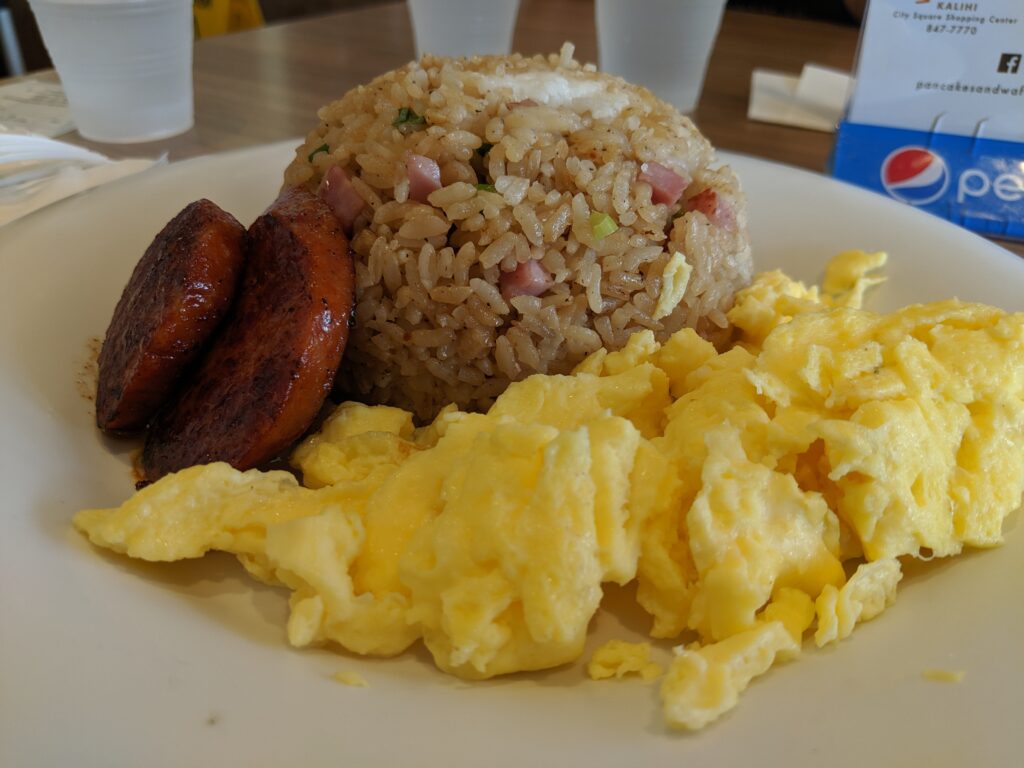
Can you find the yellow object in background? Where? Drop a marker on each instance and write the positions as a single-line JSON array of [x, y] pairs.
[[217, 17]]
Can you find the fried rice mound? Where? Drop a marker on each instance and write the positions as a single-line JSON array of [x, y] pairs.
[[551, 231]]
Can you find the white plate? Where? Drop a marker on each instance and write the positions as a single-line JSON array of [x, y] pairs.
[[106, 662]]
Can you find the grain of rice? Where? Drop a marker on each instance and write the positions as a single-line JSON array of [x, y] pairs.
[[481, 313], [472, 376], [525, 350], [505, 357], [489, 295], [423, 227], [474, 223], [441, 371], [718, 317], [367, 193], [529, 224], [445, 263], [615, 293], [497, 250], [413, 315], [603, 325], [593, 285], [535, 326], [453, 193], [629, 280], [473, 343], [464, 209], [512, 188], [412, 277], [430, 338], [491, 208], [450, 294], [427, 264], [526, 304], [621, 316], [391, 272], [486, 366], [403, 297]]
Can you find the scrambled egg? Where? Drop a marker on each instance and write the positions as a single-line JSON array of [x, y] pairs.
[[944, 675], [674, 280], [737, 489], [617, 658], [350, 678]]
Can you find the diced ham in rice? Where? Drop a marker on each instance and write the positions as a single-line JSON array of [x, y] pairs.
[[338, 192], [718, 211], [527, 279], [666, 185], [424, 177]]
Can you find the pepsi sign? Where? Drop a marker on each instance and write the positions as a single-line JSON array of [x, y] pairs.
[[975, 182]]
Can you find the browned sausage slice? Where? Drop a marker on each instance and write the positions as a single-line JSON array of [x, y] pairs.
[[267, 373], [178, 294]]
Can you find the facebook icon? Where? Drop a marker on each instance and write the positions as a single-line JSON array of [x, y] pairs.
[[1009, 62]]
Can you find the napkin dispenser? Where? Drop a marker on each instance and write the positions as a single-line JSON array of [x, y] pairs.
[[936, 119]]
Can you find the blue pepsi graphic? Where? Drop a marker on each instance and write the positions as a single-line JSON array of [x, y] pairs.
[[914, 175], [977, 183]]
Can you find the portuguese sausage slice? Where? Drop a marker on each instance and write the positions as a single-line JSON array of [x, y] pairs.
[[178, 294], [268, 372]]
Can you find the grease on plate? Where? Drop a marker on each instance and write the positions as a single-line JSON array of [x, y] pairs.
[[87, 370]]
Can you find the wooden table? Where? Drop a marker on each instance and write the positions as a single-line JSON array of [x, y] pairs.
[[265, 85]]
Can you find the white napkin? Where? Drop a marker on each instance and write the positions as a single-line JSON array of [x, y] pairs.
[[69, 180], [815, 100]]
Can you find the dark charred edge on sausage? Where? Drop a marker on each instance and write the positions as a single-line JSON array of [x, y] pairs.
[[177, 296]]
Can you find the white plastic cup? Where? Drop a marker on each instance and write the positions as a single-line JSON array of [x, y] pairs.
[[463, 27], [661, 44], [126, 65]]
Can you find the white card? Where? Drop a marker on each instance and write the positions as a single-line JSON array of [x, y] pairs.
[[953, 67], [815, 100], [828, 88]]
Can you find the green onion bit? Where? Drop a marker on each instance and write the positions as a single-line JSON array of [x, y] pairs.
[[486, 187], [408, 120], [602, 225], [317, 151]]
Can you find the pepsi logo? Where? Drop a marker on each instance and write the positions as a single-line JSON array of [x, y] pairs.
[[915, 175]]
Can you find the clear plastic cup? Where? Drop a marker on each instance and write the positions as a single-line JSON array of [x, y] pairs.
[[126, 65], [661, 44], [463, 27]]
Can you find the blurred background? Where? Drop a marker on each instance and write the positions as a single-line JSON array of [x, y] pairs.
[[23, 49]]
